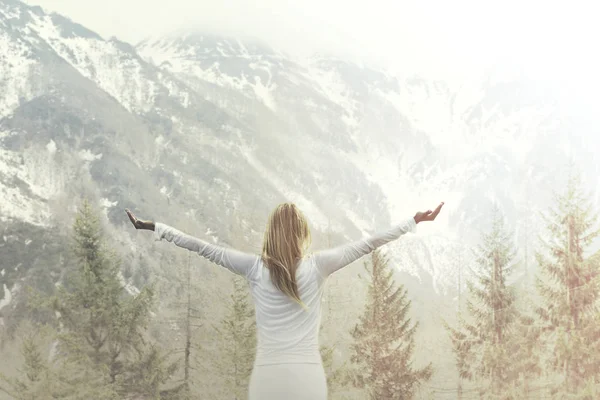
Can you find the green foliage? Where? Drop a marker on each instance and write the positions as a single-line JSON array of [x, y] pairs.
[[335, 375], [102, 324], [32, 260], [237, 332], [384, 340], [496, 345], [35, 371], [570, 287], [148, 373], [102, 349]]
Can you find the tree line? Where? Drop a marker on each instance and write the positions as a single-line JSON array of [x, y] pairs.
[[508, 343]]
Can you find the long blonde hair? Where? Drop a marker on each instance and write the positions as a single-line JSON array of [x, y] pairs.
[[287, 237]]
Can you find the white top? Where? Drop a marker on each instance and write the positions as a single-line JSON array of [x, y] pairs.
[[286, 333]]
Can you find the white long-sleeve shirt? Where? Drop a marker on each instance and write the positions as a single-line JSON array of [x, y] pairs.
[[286, 333]]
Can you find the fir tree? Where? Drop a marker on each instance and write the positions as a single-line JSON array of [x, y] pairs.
[[237, 332], [191, 315], [35, 379], [335, 375], [384, 339], [102, 327], [184, 303], [485, 345], [42, 377], [569, 285], [147, 375], [526, 347]]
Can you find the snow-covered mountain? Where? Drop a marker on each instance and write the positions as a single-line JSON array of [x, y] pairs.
[[354, 146], [209, 133]]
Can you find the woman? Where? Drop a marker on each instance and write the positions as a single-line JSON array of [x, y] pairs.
[[287, 287]]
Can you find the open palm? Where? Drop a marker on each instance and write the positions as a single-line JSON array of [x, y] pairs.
[[428, 215], [138, 223]]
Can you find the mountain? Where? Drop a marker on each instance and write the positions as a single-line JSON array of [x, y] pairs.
[[208, 133]]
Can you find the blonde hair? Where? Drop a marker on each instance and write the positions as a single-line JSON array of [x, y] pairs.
[[286, 239]]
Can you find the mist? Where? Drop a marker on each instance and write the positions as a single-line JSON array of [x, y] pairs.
[[205, 116]]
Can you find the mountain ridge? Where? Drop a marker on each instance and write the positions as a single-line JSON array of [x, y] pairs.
[[212, 140]]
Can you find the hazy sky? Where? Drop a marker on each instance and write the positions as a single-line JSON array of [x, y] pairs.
[[546, 39]]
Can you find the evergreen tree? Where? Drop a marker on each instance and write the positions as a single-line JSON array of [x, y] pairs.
[[237, 333], [147, 375], [35, 379], [183, 302], [569, 285], [486, 346], [335, 375], [191, 315], [102, 327], [43, 377], [384, 339], [526, 347]]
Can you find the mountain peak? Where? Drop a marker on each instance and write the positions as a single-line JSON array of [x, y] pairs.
[[70, 29], [205, 45]]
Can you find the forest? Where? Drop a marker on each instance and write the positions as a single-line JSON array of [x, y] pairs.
[[91, 336]]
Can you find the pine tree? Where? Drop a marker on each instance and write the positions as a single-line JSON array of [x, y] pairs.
[[335, 375], [569, 285], [102, 328], [42, 377], [526, 347], [148, 373], [384, 339], [35, 379], [237, 332], [191, 315], [486, 346], [462, 346], [184, 304]]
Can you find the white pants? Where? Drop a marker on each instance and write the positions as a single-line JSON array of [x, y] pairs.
[[288, 382]]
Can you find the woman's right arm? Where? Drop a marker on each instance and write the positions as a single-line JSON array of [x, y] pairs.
[[329, 261], [236, 261]]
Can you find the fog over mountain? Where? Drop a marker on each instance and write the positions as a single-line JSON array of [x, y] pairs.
[[208, 133]]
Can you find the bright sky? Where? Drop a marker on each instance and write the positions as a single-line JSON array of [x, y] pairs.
[[548, 40]]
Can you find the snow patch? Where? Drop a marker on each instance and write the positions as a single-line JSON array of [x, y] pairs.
[[186, 62], [105, 204], [23, 174], [7, 297], [129, 288], [117, 72], [51, 146], [87, 155], [264, 93], [164, 191], [17, 70], [11, 13]]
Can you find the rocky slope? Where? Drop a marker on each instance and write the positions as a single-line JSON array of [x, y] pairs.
[[209, 133]]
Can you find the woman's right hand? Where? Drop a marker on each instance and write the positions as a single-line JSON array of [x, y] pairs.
[[428, 215], [138, 223]]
